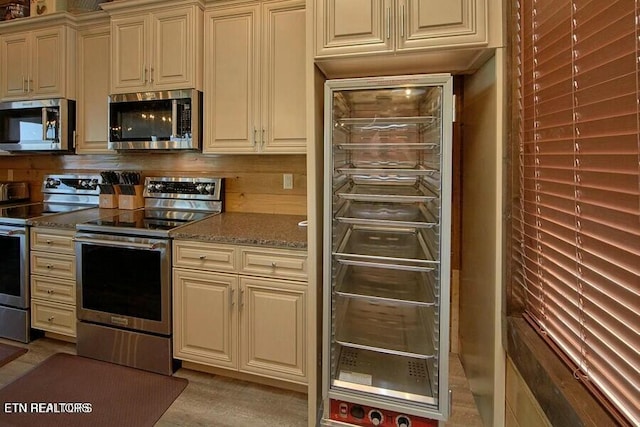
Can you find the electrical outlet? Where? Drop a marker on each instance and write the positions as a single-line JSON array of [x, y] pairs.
[[287, 181]]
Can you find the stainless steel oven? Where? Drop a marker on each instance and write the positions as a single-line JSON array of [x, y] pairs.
[[61, 193], [124, 281], [14, 282], [124, 273]]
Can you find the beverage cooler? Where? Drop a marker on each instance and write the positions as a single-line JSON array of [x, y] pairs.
[[387, 229]]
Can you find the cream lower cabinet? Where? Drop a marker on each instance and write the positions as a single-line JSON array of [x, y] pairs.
[[53, 281], [355, 27], [254, 77], [228, 319]]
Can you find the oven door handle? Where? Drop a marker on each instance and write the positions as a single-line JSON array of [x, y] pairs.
[[151, 246], [11, 232]]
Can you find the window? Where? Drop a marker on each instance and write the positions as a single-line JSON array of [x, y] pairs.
[[576, 221]]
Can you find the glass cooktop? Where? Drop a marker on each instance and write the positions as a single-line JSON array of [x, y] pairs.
[[156, 222], [19, 214]]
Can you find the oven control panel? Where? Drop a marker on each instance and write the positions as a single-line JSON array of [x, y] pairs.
[[71, 183], [207, 188], [366, 416]]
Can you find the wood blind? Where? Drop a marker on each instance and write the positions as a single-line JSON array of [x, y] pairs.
[[576, 219]]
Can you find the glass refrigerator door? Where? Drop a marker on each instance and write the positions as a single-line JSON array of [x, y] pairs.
[[387, 208]]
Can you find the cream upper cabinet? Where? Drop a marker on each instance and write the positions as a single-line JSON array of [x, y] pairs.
[[355, 27], [254, 78], [93, 70], [158, 49], [38, 64]]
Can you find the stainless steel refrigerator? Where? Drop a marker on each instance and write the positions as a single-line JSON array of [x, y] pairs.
[[386, 250]]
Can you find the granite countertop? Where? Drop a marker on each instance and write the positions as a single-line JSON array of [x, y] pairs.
[[280, 231], [67, 220]]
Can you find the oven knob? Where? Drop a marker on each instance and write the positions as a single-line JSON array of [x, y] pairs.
[[151, 187], [375, 417], [208, 188], [199, 188], [403, 421], [84, 184], [159, 186]]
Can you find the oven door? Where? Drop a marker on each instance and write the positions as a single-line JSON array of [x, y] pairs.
[[124, 282], [14, 266]]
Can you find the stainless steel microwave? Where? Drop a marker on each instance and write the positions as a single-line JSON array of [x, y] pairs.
[[38, 125], [167, 120]]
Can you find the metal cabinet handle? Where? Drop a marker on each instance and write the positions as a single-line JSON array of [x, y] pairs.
[[50, 291], [241, 299], [274, 265], [151, 80], [231, 297], [50, 319], [145, 74], [202, 257], [262, 141], [253, 142], [49, 266], [48, 242]]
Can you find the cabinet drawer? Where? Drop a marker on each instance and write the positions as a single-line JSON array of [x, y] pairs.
[[204, 256], [52, 240], [52, 289], [53, 317], [53, 265], [274, 263]]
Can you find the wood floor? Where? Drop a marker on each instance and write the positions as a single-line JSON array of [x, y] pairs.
[[217, 401]]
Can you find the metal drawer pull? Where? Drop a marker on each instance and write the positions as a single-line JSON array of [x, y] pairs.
[[50, 319], [49, 266], [50, 291], [48, 242], [274, 265], [202, 257]]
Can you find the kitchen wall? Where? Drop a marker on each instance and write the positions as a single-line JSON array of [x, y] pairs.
[[252, 183], [480, 317]]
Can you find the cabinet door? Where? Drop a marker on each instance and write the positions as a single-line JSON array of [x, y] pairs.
[[205, 319], [231, 80], [94, 48], [273, 328], [174, 53], [346, 27], [47, 76], [284, 78], [441, 23], [14, 62], [129, 46]]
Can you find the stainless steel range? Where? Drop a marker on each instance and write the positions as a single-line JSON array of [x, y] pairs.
[[61, 193], [124, 273]]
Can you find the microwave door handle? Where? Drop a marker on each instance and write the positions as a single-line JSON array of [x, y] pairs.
[[45, 125], [174, 118]]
